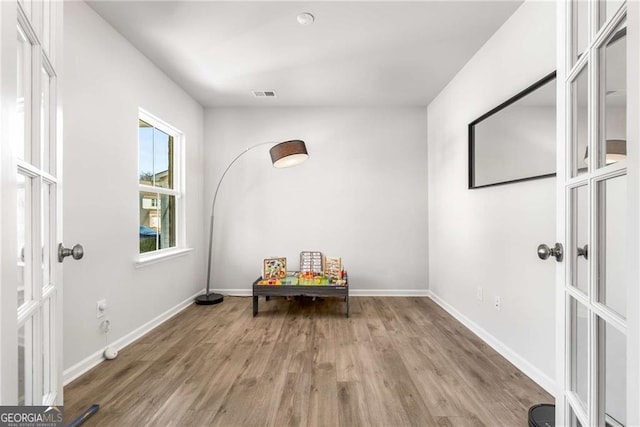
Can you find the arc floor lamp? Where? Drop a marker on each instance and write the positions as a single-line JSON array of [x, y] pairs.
[[283, 155]]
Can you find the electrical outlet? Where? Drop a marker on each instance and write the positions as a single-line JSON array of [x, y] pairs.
[[101, 308], [496, 303], [479, 293]]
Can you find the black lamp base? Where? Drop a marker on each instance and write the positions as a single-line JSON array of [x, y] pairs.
[[209, 299]]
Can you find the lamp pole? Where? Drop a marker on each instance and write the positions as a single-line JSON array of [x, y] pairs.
[[296, 152], [209, 298]]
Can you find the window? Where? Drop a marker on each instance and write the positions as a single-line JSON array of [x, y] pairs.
[[160, 186]]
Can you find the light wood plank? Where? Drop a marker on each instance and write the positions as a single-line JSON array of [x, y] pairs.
[[394, 362]]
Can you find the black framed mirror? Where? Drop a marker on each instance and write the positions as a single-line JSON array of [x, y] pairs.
[[515, 141]]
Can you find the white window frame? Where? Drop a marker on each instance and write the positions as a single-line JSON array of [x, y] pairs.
[[177, 191]]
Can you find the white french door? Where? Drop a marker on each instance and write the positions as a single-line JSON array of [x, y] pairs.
[[30, 144], [592, 195]]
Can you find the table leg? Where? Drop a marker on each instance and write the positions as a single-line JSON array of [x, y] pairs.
[[255, 305], [347, 302], [267, 298]]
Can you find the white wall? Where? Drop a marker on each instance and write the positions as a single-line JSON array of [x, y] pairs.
[[488, 237], [360, 196], [106, 81]]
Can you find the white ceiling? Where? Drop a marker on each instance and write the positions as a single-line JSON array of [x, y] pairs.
[[355, 54]]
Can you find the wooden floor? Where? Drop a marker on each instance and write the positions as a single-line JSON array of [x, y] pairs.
[[394, 362]]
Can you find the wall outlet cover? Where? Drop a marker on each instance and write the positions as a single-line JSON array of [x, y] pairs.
[[101, 308]]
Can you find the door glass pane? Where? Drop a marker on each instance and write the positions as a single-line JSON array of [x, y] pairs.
[[613, 97], [23, 116], [613, 370], [45, 121], [145, 159], [580, 237], [46, 234], [608, 8], [612, 232], [579, 124], [47, 360], [163, 159], [24, 255], [149, 222], [580, 12], [25, 362], [579, 349]]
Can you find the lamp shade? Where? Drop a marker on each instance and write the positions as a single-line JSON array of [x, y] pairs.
[[616, 151], [288, 153]]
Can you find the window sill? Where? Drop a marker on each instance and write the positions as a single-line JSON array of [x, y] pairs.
[[146, 260]]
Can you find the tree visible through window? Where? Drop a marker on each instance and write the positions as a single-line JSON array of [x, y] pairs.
[[159, 185]]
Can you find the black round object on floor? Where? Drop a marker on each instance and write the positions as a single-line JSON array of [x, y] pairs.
[[542, 415], [209, 299]]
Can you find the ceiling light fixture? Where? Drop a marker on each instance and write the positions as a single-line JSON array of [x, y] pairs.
[[305, 18]]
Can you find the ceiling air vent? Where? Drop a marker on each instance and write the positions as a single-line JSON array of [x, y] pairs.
[[263, 93]]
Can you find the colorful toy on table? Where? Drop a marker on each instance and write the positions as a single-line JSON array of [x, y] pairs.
[[287, 281], [312, 261], [303, 280], [290, 281], [308, 278], [274, 269], [265, 282], [333, 267]]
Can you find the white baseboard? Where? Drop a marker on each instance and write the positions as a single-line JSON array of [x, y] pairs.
[[529, 370], [234, 292], [388, 293], [85, 365], [352, 292]]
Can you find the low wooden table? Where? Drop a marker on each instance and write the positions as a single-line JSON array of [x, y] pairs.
[[267, 291]]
